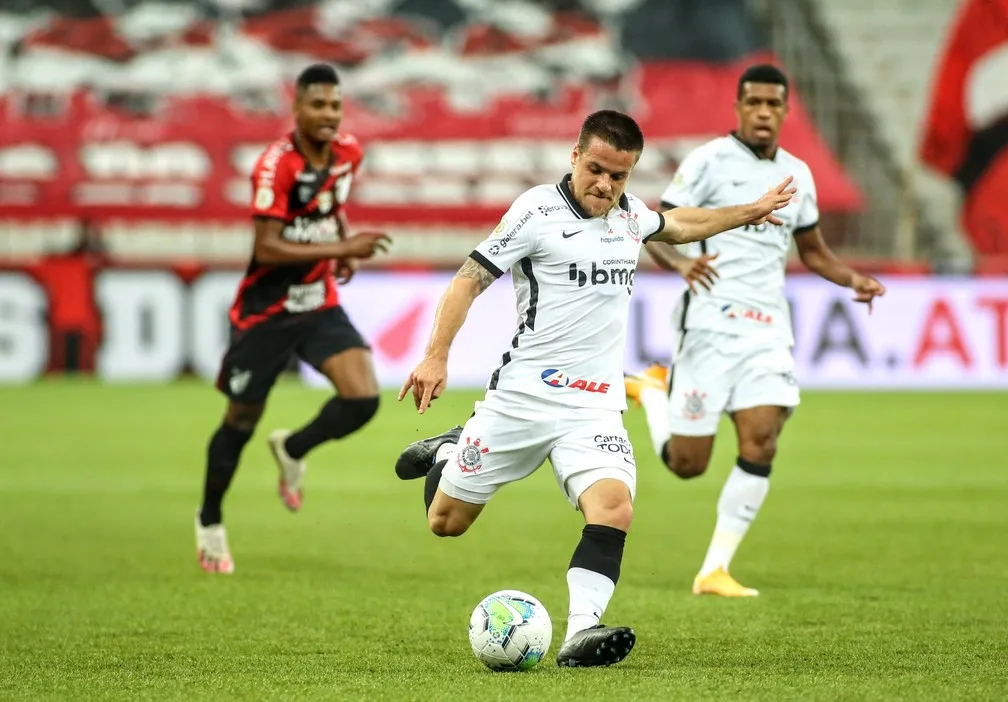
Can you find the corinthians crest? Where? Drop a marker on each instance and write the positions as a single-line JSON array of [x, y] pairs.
[[694, 408], [633, 228], [470, 456]]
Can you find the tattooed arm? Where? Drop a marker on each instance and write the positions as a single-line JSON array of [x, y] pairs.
[[471, 280]]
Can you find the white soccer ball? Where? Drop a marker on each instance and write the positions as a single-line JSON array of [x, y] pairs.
[[510, 630]]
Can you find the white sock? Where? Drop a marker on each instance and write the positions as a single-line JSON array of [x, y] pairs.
[[590, 593], [445, 452], [655, 404], [741, 498]]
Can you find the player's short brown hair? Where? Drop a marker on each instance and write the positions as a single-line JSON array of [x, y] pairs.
[[617, 129]]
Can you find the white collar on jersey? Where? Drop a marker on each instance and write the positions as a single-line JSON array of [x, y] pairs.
[[563, 187], [735, 137]]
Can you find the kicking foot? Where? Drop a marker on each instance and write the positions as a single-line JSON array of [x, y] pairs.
[[654, 376], [291, 470], [416, 460], [212, 548], [718, 582], [599, 645]]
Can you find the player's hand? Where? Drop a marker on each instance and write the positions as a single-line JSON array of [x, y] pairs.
[[345, 269], [428, 381], [775, 199], [699, 271], [866, 289], [365, 244]]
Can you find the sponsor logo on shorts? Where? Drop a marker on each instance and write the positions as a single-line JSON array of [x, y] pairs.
[[470, 456], [556, 378], [693, 407], [732, 311], [613, 444]]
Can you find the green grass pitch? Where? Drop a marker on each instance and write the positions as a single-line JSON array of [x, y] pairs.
[[880, 553]]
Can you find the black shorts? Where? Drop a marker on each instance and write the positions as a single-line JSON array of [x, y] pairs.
[[257, 356]]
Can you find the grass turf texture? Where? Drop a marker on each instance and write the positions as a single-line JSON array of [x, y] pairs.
[[879, 553]]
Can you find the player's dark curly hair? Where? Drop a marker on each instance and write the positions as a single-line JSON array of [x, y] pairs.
[[618, 130], [317, 73], [762, 73]]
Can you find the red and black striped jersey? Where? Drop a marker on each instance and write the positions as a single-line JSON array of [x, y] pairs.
[[307, 201]]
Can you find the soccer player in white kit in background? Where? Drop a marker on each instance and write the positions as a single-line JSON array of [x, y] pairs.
[[733, 352], [572, 248]]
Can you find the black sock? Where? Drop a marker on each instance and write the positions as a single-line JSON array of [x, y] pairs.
[[432, 482], [600, 550], [222, 461], [757, 469], [337, 418]]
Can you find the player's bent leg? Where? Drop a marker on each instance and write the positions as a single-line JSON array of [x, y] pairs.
[[741, 498], [452, 516], [223, 454], [688, 456], [352, 374], [605, 498]]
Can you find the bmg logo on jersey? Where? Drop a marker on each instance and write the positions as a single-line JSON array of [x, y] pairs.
[[613, 271], [556, 378]]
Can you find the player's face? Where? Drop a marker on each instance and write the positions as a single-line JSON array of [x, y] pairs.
[[599, 175], [318, 111], [761, 110]]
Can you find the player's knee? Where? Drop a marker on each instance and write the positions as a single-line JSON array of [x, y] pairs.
[[243, 417], [619, 516], [686, 466], [346, 415], [761, 447], [446, 524], [363, 408], [612, 509]]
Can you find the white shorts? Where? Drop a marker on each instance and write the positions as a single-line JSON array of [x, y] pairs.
[[717, 373], [511, 434]]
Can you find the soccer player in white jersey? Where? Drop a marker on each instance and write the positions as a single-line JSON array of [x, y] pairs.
[[572, 249], [733, 352]]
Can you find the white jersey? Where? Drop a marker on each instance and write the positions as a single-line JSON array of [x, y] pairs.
[[748, 298], [573, 275]]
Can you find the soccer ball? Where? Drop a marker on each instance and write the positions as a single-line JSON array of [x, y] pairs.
[[510, 630]]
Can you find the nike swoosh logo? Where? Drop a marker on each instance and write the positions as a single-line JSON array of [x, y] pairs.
[[568, 236], [629, 461]]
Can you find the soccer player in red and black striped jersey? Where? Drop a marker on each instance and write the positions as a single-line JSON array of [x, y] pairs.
[[287, 304]]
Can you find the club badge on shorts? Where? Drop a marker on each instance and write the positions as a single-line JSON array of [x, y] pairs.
[[470, 456]]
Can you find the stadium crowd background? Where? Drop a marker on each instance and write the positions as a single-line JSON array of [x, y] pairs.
[[130, 127]]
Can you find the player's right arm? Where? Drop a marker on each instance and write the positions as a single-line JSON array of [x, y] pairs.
[[430, 377], [514, 238]]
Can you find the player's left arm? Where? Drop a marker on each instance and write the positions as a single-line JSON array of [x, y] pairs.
[[683, 225], [346, 268], [817, 256]]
